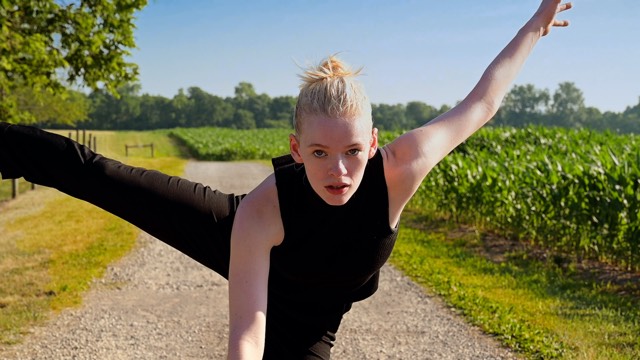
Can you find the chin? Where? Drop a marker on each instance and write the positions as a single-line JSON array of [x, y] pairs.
[[337, 200]]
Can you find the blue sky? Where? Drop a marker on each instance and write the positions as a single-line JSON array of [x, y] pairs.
[[425, 50]]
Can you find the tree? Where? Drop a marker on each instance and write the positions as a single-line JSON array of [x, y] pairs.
[[48, 108], [567, 106], [419, 113], [111, 112], [48, 45], [523, 105], [247, 99], [259, 106], [633, 111], [155, 113], [281, 111], [181, 106], [207, 109], [630, 119], [242, 119], [389, 117], [243, 92]]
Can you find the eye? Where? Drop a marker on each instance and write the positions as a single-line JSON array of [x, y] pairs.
[[354, 152], [319, 153]]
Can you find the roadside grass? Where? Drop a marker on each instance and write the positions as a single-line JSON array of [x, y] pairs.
[[112, 144], [5, 189], [52, 246], [538, 308]]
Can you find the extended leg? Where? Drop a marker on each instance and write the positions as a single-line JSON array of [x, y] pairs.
[[188, 216]]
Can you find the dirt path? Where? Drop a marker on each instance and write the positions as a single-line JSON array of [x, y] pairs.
[[158, 304]]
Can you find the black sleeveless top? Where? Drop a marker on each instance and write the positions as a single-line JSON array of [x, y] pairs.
[[330, 253]]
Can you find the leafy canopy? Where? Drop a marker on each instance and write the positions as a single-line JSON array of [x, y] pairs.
[[48, 45]]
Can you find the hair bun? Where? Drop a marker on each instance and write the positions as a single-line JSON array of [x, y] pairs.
[[331, 67]]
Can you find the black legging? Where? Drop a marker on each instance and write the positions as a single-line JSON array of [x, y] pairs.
[[188, 216]]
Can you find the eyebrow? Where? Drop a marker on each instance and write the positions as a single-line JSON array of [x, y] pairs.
[[325, 146]]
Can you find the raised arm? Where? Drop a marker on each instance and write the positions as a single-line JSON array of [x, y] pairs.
[[411, 156], [256, 229]]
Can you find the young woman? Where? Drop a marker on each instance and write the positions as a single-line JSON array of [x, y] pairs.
[[310, 240]]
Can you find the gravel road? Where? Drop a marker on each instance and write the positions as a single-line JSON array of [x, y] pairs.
[[158, 304]]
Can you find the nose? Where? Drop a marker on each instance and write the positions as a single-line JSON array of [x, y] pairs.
[[338, 168]]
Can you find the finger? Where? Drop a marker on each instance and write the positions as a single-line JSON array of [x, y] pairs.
[[563, 7], [561, 23]]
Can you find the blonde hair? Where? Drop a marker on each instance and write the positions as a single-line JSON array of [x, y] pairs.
[[330, 89]]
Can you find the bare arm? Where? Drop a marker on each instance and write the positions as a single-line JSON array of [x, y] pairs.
[[255, 232], [411, 156]]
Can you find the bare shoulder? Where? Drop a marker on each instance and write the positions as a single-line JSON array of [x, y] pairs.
[[404, 169], [258, 216]]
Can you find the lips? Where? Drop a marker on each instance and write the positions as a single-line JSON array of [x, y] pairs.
[[337, 189]]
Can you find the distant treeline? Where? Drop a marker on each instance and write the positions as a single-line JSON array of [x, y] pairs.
[[523, 105]]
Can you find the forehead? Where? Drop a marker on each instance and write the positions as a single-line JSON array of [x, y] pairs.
[[319, 129]]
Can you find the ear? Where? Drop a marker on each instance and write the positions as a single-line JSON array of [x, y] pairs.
[[374, 143], [294, 148]]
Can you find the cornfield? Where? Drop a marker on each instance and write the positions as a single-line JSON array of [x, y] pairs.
[[224, 144], [576, 191]]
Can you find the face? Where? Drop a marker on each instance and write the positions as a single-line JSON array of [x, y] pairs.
[[334, 153]]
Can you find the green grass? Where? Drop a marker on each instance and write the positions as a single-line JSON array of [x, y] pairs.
[[6, 189], [537, 308], [52, 246], [74, 246]]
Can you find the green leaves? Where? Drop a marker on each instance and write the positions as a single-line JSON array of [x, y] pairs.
[[46, 45]]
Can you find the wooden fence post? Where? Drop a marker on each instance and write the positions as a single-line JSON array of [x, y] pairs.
[[126, 148], [14, 188]]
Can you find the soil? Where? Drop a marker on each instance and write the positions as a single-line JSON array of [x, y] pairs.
[[157, 303]]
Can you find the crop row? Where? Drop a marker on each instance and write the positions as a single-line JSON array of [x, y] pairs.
[[224, 144], [572, 190]]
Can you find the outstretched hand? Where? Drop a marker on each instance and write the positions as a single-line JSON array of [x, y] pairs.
[[545, 16]]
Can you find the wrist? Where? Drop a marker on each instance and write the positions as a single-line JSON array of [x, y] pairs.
[[534, 27]]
